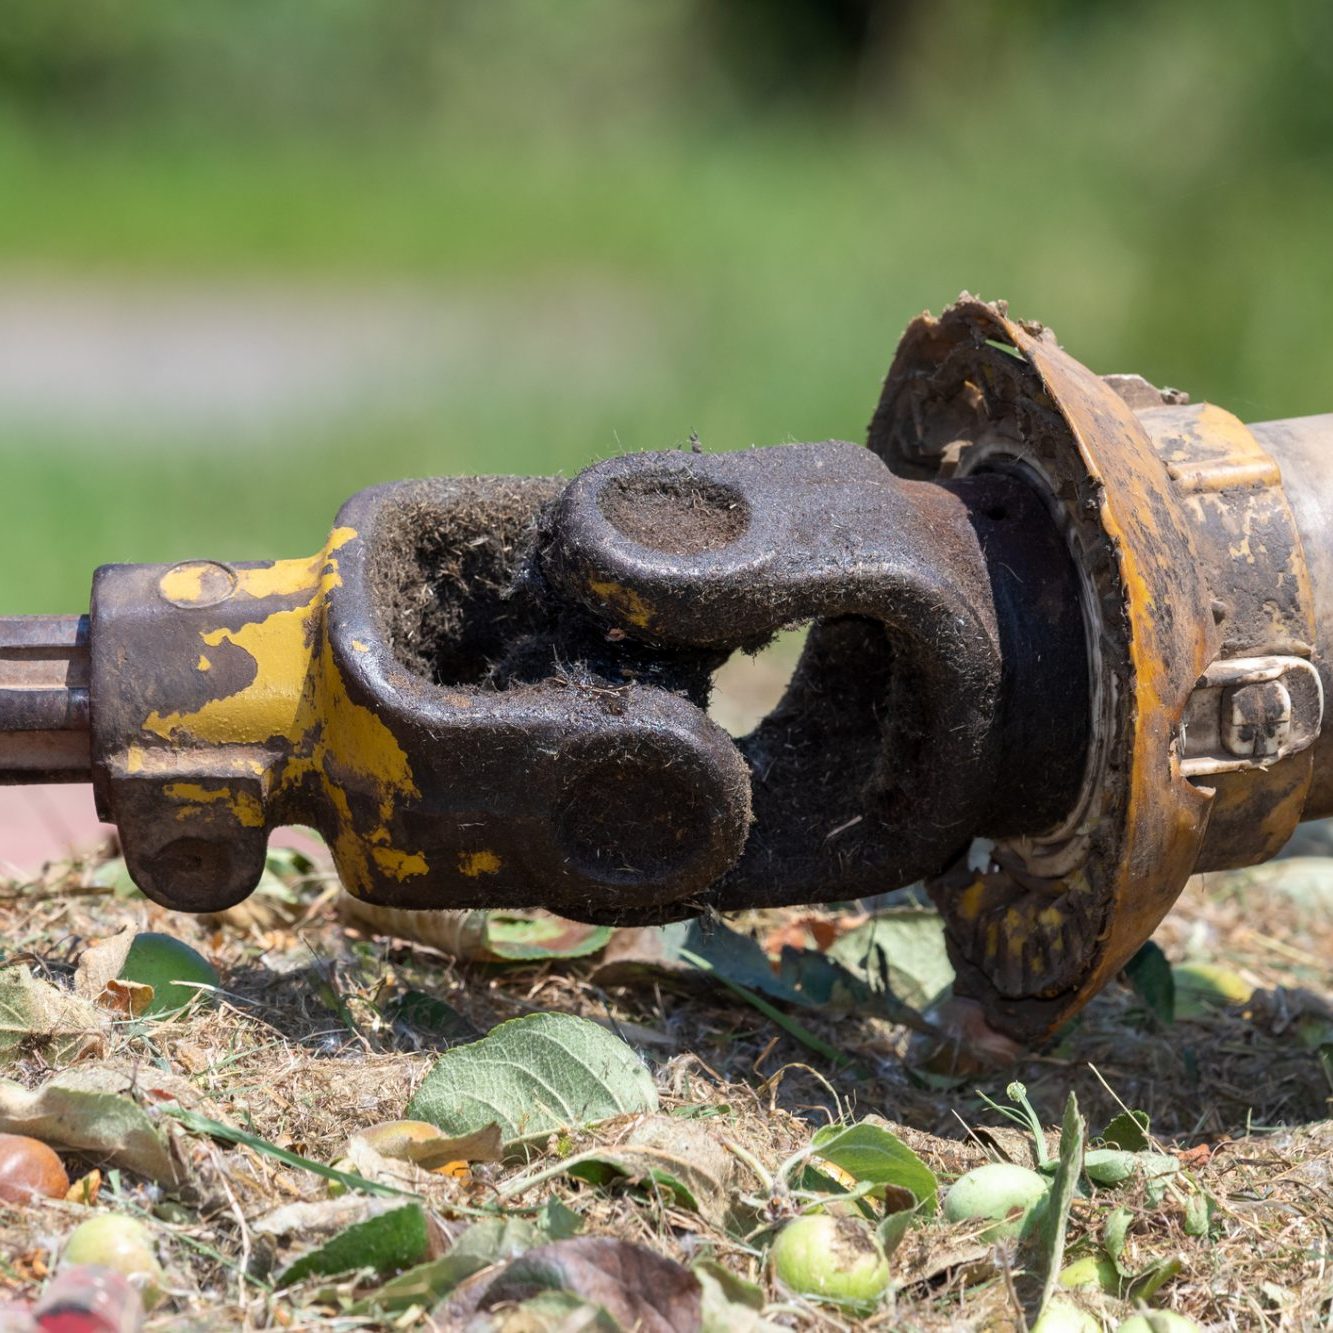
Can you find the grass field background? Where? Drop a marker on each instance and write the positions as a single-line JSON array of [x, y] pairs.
[[622, 224]]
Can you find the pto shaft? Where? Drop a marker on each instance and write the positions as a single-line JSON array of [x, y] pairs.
[[44, 714], [1071, 640]]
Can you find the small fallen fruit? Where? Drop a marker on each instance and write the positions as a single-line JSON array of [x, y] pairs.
[[1000, 1191], [114, 1241], [1157, 1321], [162, 961], [834, 1259], [1059, 1316], [1109, 1166], [1092, 1272], [29, 1170]]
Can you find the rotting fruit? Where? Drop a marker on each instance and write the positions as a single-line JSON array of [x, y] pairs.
[[834, 1259], [30, 1169]]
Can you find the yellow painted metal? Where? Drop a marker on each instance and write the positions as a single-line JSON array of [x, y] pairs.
[[298, 699], [1190, 555]]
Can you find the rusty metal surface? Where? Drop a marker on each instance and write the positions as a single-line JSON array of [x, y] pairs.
[[1303, 451], [1190, 558], [1070, 641], [1229, 492]]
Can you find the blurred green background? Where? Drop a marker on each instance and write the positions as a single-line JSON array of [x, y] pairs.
[[255, 254]]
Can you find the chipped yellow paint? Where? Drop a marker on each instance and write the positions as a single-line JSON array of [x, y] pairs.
[[625, 601], [297, 696], [203, 664], [971, 900], [183, 584], [197, 583], [266, 709], [245, 805], [401, 865], [360, 646], [474, 864]]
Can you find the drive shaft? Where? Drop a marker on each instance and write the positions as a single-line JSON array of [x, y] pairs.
[[1069, 643]]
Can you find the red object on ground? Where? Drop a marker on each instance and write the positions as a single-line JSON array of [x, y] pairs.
[[88, 1299]]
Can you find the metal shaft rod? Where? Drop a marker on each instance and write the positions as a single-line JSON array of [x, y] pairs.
[[1303, 450], [44, 699]]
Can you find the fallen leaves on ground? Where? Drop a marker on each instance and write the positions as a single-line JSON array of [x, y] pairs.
[[360, 1133]]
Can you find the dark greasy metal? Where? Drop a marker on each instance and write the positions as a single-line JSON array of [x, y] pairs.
[[908, 725], [438, 721], [1070, 640], [44, 699]]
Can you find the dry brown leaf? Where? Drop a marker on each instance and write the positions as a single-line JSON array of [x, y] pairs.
[[636, 1287], [101, 963], [99, 1109], [809, 932], [130, 998], [86, 1189], [426, 1146]]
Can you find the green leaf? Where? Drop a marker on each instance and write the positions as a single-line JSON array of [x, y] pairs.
[[87, 1108], [533, 1076], [479, 936], [1128, 1130], [421, 1285], [490, 1241], [392, 1239], [287, 863], [729, 1303], [517, 937], [900, 950], [556, 1222], [810, 1180], [1150, 975], [1198, 1214], [430, 1017], [805, 977], [893, 1229], [1157, 1274], [1109, 1166], [1114, 1235], [1047, 1239], [873, 1153]]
